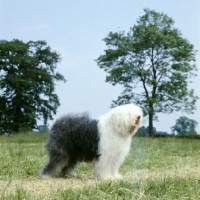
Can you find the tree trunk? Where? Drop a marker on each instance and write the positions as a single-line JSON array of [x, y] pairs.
[[16, 121], [151, 133]]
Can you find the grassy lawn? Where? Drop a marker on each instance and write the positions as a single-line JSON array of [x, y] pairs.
[[159, 168]]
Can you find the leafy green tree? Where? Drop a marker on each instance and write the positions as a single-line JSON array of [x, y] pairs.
[[184, 125], [153, 63], [27, 74]]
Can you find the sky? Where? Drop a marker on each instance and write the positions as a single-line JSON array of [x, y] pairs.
[[75, 28]]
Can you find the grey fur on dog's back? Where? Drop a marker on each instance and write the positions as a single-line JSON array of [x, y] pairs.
[[72, 139]]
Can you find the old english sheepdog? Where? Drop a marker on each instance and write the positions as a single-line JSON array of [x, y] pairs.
[[104, 142]]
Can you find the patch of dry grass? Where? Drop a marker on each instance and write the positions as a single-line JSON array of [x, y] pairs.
[[40, 185]]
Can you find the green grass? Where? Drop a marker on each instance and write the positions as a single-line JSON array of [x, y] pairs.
[[159, 168], [24, 138]]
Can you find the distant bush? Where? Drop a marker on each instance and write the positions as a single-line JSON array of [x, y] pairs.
[[143, 132], [163, 134], [43, 128], [188, 135]]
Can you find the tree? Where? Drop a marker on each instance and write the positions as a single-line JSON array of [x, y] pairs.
[[27, 74], [153, 63], [184, 125]]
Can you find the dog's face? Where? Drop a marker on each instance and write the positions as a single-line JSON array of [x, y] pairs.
[[135, 125]]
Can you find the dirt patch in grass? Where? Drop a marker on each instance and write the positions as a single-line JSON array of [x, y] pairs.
[[48, 186]]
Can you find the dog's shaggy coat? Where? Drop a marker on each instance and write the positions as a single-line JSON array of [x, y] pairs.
[[104, 142]]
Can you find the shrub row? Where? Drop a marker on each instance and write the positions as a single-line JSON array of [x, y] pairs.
[[189, 136]]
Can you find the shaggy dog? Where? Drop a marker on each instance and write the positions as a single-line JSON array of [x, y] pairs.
[[104, 142]]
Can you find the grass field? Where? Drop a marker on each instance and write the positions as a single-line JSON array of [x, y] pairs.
[[158, 168]]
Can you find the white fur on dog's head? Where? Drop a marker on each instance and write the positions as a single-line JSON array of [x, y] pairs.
[[125, 120]]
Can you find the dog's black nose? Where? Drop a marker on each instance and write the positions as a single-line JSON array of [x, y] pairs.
[[138, 117]]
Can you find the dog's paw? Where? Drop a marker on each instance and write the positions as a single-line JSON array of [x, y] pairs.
[[111, 178], [118, 176], [105, 178], [71, 173]]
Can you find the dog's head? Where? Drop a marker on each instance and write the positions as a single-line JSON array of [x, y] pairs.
[[126, 119]]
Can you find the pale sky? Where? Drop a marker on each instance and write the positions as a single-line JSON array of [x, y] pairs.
[[75, 28]]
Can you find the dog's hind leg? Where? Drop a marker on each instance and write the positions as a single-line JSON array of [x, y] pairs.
[[69, 170], [53, 168]]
